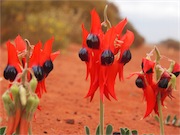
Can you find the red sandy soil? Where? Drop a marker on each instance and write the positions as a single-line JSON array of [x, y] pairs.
[[66, 88]]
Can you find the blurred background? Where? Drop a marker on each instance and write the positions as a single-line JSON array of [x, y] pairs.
[[152, 22]]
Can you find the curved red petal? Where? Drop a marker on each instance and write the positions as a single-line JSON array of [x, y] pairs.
[[87, 70], [121, 67], [128, 39], [35, 57], [13, 59], [147, 64], [95, 22], [150, 99], [108, 40], [20, 43], [112, 73], [48, 48], [106, 92], [149, 78], [132, 74], [84, 36], [176, 68], [54, 55], [120, 26]]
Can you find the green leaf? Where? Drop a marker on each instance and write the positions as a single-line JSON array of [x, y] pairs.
[[98, 130], [127, 132], [123, 131], [156, 118], [87, 130], [134, 132], [174, 120], [2, 130], [167, 119], [109, 130]]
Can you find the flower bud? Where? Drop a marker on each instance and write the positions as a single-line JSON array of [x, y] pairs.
[[33, 83], [8, 104], [83, 54], [15, 91], [93, 41], [32, 103], [172, 82], [107, 57], [22, 94]]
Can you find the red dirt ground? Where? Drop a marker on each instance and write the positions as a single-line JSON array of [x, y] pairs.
[[66, 88]]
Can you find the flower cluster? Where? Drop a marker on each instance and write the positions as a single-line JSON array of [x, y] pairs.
[[164, 84], [26, 69], [39, 61], [105, 55]]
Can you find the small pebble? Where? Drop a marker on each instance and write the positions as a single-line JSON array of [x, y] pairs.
[[70, 121]]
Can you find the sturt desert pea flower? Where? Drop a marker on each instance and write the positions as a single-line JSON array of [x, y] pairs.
[[13, 65], [163, 86], [103, 54], [27, 67], [41, 63], [148, 92], [148, 68], [125, 54]]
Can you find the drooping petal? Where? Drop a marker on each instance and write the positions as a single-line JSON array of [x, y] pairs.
[[111, 77], [150, 99]]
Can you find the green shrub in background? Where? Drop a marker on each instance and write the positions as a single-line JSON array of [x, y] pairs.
[[37, 20]]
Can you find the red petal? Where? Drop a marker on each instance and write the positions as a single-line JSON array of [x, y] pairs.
[[13, 59], [95, 22], [147, 64], [106, 92], [176, 68], [150, 99], [108, 41], [35, 58], [54, 55], [121, 67], [87, 70], [20, 43], [84, 36], [112, 73], [120, 26], [149, 78], [128, 39]]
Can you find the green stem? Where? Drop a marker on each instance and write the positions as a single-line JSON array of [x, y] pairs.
[[160, 114], [106, 20], [158, 74], [101, 117]]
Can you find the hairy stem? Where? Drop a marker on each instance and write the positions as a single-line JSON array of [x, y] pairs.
[[158, 74], [160, 114]]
